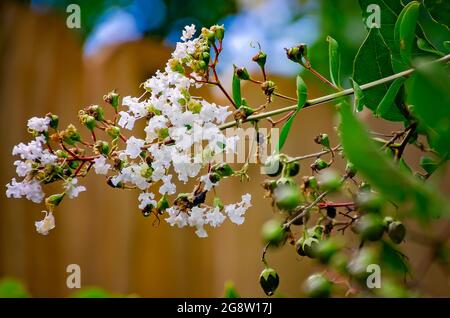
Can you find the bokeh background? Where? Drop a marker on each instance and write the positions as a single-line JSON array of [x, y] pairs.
[[45, 66]]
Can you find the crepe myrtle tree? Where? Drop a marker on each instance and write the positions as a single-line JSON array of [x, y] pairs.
[[400, 75]]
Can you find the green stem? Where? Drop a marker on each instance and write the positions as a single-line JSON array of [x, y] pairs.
[[330, 97]]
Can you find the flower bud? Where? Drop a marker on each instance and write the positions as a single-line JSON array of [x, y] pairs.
[[214, 177], [219, 31], [317, 286], [208, 34], [274, 233], [297, 53], [89, 122], [260, 58], [71, 135], [96, 111], [268, 87], [102, 147], [54, 200], [242, 73], [54, 121], [323, 140], [397, 232], [113, 131], [269, 281], [112, 98]]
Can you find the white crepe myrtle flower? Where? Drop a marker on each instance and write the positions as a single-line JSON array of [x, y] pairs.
[[176, 217], [236, 211], [197, 219], [100, 165], [22, 167], [126, 120], [46, 224], [39, 124], [146, 199], [214, 217], [32, 190], [71, 188], [168, 187], [134, 147], [188, 32]]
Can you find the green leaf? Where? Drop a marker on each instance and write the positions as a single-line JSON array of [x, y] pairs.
[[428, 93], [301, 99], [393, 259], [428, 164], [426, 47], [435, 32], [405, 30], [372, 62], [387, 108], [236, 86], [334, 61], [384, 174], [359, 96], [389, 11]]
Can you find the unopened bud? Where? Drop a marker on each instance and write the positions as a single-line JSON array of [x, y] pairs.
[[268, 87], [260, 58], [112, 98], [242, 73], [297, 53]]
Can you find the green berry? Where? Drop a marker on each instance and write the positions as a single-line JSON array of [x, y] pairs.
[[269, 281], [274, 233], [318, 286], [397, 232]]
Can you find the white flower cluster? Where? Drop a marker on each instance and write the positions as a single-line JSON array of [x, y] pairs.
[[35, 157], [199, 217], [182, 136]]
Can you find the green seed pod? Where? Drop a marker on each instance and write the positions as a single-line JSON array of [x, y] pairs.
[[323, 140], [317, 286], [71, 135], [96, 111], [386, 221], [299, 246], [274, 233], [218, 203], [310, 246], [208, 34], [311, 182], [319, 164], [269, 281], [327, 249], [350, 170], [357, 267], [292, 168], [369, 201], [397, 232], [329, 180], [370, 227], [194, 106], [287, 197], [273, 166], [269, 185]]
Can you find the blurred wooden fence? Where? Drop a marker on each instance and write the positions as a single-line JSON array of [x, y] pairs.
[[103, 231]]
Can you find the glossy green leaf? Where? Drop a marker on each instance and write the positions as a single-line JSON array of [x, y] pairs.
[[428, 164], [387, 108], [372, 62], [236, 87], [393, 259], [384, 174], [428, 93], [334, 61], [301, 99], [435, 32], [426, 47], [405, 30]]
